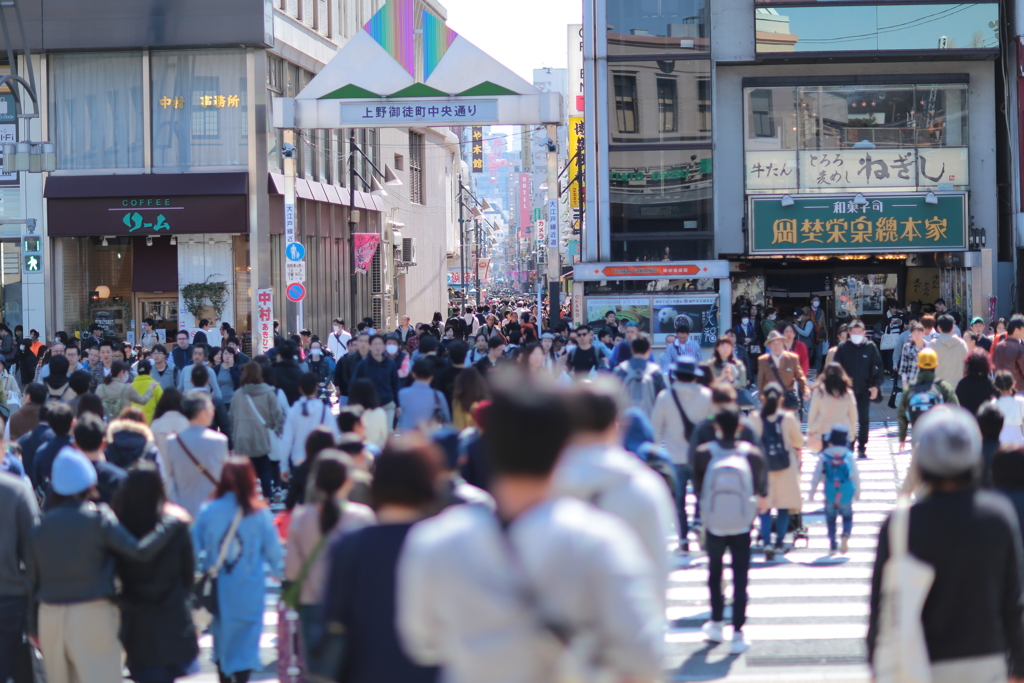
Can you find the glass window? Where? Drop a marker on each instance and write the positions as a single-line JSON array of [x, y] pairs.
[[657, 26], [886, 26], [96, 110], [659, 195], [837, 138], [681, 88], [667, 105], [625, 103], [199, 108]]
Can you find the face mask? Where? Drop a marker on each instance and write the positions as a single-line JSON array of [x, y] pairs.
[[316, 353], [857, 338], [771, 317], [337, 328], [745, 321], [392, 349], [815, 304]]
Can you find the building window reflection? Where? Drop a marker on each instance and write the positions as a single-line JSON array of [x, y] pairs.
[[667, 105], [625, 103]]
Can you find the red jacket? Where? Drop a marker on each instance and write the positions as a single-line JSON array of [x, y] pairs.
[[800, 349], [1009, 355]]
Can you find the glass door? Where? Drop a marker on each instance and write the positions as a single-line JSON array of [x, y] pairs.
[[163, 309]]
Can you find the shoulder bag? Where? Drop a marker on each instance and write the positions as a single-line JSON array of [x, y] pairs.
[[790, 400], [276, 447], [204, 593], [901, 653], [290, 595], [195, 461]]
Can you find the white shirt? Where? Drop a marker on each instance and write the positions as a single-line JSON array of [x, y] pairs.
[[337, 343]]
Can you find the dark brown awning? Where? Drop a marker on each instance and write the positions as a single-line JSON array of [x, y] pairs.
[[145, 184]]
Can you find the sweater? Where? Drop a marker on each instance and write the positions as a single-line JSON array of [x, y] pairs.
[[974, 605], [951, 352]]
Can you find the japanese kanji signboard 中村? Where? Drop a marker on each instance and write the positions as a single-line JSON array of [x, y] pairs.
[[844, 224]]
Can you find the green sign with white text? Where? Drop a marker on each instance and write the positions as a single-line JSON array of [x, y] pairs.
[[847, 224]]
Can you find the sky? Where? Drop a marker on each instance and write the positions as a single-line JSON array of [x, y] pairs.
[[521, 34]]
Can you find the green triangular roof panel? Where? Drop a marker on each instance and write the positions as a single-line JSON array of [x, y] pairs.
[[488, 88], [350, 92], [419, 90]]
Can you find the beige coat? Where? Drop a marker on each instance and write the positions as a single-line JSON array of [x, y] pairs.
[[951, 352], [790, 372], [784, 486], [303, 537], [828, 411]]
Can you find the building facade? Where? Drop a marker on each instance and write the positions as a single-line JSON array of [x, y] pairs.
[[841, 150]]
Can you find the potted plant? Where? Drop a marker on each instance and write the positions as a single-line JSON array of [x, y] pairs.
[[201, 298]]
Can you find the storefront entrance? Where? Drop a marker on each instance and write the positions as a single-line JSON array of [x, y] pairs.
[[162, 307]]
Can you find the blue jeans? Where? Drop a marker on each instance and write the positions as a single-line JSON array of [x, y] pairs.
[[682, 478], [781, 526], [831, 510]]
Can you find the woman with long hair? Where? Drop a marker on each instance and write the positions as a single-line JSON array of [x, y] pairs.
[[157, 632], [832, 403], [470, 389], [167, 419], [782, 440], [315, 526], [299, 491], [255, 412], [241, 583], [791, 343], [531, 360], [976, 388], [723, 362], [375, 418]]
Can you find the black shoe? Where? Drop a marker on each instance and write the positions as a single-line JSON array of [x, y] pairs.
[[892, 403], [862, 455], [769, 552]]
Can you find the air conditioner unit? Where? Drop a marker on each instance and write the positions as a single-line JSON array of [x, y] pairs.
[[408, 251]]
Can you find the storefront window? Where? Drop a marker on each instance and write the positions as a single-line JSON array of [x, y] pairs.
[[98, 277], [885, 26], [199, 108], [657, 26], [11, 304], [663, 101], [840, 138], [242, 284], [96, 110], [866, 294]]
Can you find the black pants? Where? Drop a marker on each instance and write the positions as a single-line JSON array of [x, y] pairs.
[[265, 473], [12, 629], [863, 418], [739, 548]]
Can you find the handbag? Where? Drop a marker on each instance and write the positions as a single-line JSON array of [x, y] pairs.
[[291, 592], [276, 451], [890, 340], [204, 593], [790, 401], [901, 654]]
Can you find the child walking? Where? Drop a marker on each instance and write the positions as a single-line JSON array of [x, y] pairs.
[[838, 467]]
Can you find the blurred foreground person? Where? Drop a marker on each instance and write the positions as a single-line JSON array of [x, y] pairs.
[[542, 586], [971, 618]]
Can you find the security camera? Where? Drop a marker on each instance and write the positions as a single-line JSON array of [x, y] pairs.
[[288, 150]]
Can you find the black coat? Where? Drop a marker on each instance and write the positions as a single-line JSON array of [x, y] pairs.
[[344, 371], [286, 375], [972, 391], [863, 363], [156, 620]]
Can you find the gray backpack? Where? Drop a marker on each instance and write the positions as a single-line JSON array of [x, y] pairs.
[[727, 502]]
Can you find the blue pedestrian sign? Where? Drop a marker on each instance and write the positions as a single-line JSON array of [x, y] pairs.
[[295, 251], [295, 292]]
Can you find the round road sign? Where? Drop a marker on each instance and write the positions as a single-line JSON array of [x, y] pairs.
[[295, 291], [295, 251]]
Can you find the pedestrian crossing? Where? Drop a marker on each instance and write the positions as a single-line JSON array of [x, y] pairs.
[[808, 606]]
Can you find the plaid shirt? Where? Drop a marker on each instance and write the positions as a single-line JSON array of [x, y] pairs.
[[908, 363]]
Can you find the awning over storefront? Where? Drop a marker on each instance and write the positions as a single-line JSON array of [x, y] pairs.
[[797, 285], [151, 204], [322, 192]]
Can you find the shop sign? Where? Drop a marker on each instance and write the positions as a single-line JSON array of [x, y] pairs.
[[575, 103], [525, 203], [147, 215], [652, 270], [478, 149], [699, 311], [450, 111], [264, 321], [365, 245], [857, 224], [575, 151], [817, 170]]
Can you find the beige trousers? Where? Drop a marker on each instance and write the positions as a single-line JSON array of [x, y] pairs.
[[80, 643]]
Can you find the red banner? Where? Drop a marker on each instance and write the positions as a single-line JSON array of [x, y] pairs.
[[365, 245]]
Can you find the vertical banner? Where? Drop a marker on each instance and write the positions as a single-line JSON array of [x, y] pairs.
[[575, 174], [263, 340], [575, 64], [478, 149], [525, 204], [365, 245]]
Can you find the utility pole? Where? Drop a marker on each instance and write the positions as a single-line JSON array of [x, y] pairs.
[[554, 263], [351, 221], [462, 246]]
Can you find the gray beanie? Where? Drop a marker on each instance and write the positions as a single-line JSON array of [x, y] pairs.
[[947, 442]]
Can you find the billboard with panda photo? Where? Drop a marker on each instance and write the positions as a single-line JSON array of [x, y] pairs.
[[699, 311], [628, 310]]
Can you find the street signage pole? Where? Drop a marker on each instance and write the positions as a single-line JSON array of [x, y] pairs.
[[554, 263]]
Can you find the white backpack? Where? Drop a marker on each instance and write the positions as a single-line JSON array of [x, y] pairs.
[[727, 503]]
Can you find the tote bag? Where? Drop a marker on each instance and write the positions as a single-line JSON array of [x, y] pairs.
[[901, 654]]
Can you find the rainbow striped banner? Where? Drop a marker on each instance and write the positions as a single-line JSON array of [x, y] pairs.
[[393, 28]]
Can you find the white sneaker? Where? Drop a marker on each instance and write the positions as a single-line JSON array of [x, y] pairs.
[[739, 644], [713, 631]]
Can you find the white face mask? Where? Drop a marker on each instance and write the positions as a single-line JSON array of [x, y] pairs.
[[771, 317], [316, 353], [745, 321], [815, 304], [392, 349], [337, 328], [857, 338]]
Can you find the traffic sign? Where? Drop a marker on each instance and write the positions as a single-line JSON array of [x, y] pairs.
[[295, 272], [295, 251], [295, 291], [33, 263]]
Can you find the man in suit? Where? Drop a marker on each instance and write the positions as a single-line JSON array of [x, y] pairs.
[[786, 363], [190, 482]]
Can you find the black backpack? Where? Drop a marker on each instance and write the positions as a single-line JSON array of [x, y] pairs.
[[775, 452]]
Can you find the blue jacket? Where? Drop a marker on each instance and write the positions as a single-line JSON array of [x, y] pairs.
[[241, 584], [419, 404], [45, 456], [383, 374], [849, 489]]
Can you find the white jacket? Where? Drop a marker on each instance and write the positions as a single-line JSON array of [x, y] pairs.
[[302, 418], [668, 424]]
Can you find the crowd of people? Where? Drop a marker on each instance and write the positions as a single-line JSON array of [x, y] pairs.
[[482, 498]]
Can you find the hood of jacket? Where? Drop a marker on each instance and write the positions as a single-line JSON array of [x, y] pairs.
[[585, 471], [258, 389], [639, 431], [127, 441], [948, 341]]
